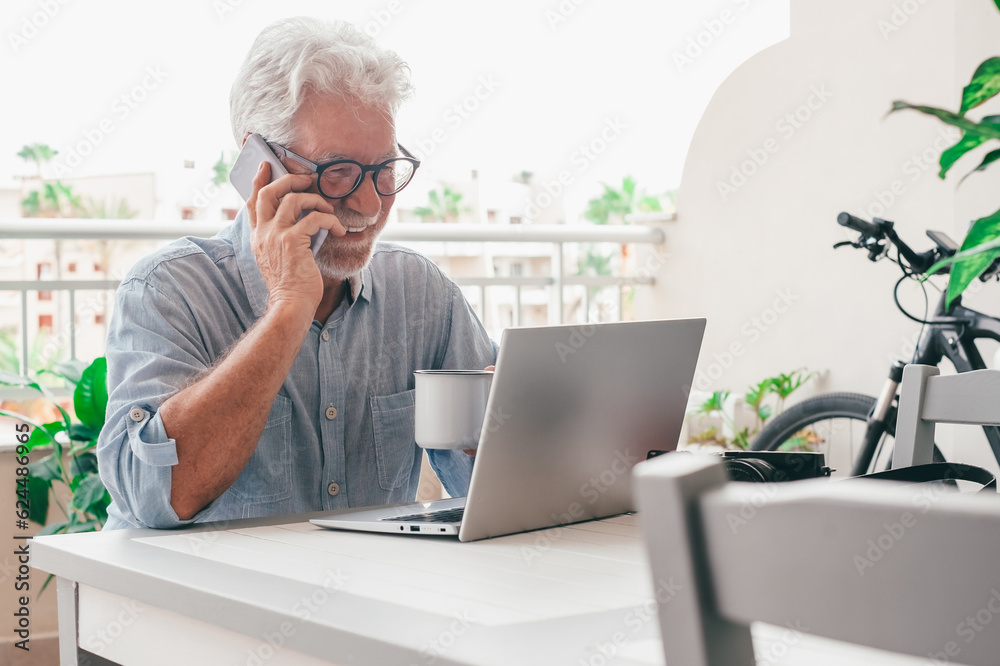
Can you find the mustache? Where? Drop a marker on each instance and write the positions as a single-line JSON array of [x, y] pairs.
[[351, 219]]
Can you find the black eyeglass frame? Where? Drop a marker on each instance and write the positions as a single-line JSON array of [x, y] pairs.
[[318, 169]]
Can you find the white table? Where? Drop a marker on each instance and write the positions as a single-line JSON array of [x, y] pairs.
[[281, 591]]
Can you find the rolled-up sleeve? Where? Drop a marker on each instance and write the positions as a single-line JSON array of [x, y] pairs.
[[152, 352]]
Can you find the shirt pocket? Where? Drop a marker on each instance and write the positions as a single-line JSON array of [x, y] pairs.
[[267, 476], [395, 449]]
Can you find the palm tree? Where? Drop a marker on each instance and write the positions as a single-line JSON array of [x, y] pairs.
[[51, 199], [611, 207], [613, 204], [39, 153], [441, 207]]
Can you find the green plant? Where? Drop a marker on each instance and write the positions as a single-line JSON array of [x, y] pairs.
[[781, 386], [223, 167], [443, 206], [72, 462], [55, 199], [982, 242], [40, 359], [613, 204]]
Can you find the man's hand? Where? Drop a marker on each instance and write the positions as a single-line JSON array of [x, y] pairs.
[[472, 452], [280, 241]]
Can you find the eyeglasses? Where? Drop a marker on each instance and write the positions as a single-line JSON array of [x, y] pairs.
[[340, 178]]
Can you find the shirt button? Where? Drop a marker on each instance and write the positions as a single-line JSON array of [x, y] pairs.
[[331, 413], [326, 336], [333, 488], [137, 414]]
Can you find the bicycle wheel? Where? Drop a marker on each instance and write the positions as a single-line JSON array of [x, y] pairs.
[[833, 424]]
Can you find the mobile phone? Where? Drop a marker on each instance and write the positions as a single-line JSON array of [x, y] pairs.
[[255, 151]]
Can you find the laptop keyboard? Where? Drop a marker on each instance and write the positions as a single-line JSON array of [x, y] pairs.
[[441, 516]]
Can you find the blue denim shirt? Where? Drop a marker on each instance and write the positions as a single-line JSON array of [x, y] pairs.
[[340, 431]]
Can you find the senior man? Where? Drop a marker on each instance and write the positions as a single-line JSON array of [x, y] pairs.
[[247, 378]]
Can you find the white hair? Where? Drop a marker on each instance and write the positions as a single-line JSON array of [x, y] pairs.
[[291, 56]]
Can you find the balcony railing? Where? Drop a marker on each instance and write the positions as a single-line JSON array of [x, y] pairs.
[[555, 237]]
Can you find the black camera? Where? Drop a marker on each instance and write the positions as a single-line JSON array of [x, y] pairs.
[[769, 466]]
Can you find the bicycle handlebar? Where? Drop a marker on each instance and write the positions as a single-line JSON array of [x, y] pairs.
[[859, 225]]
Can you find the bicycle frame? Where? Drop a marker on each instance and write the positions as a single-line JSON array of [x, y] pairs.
[[952, 334]]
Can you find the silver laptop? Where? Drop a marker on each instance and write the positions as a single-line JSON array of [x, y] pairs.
[[570, 411]]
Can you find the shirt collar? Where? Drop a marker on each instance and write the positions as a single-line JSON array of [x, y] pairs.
[[253, 280]]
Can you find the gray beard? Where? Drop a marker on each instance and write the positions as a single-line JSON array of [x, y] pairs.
[[339, 257]]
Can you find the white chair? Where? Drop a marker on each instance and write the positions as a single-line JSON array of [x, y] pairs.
[[927, 398], [909, 569]]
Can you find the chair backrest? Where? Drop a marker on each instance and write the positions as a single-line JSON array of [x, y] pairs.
[[927, 398], [910, 569]]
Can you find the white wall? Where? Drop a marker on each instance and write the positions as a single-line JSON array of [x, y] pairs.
[[754, 255]]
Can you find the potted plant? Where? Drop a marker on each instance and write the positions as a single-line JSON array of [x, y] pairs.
[[71, 462]]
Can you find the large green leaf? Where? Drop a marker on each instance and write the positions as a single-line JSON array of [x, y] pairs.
[[46, 436], [47, 468], [38, 498], [984, 85], [83, 464], [54, 528], [964, 145], [70, 370], [87, 526], [90, 491], [38, 434], [91, 396], [951, 155], [10, 379], [961, 256], [952, 118], [984, 231], [989, 159], [81, 432]]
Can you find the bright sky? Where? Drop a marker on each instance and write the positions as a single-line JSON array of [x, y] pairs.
[[558, 72]]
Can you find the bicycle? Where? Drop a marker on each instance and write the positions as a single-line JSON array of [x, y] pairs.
[[950, 333]]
